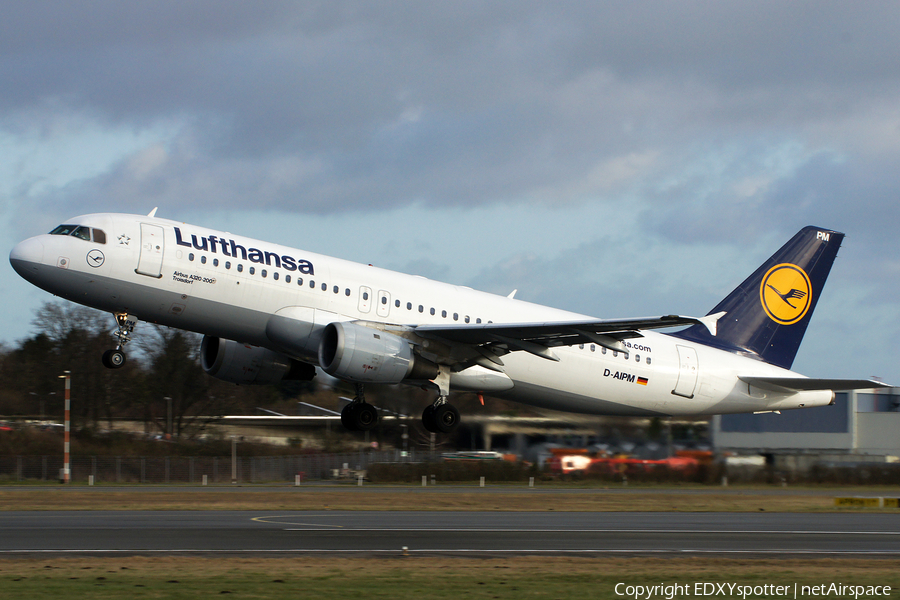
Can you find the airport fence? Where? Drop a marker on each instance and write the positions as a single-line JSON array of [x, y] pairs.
[[200, 469]]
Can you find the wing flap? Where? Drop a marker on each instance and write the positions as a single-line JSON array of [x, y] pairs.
[[560, 333]]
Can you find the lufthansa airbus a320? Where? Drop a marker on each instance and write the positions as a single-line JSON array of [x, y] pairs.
[[270, 313]]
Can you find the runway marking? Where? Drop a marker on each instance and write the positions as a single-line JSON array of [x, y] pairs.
[[265, 520], [668, 531]]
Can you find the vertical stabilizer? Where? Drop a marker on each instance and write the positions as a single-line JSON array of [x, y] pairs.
[[768, 313]]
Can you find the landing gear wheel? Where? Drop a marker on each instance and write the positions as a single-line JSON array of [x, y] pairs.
[[364, 417], [359, 416], [446, 418], [428, 419], [113, 359], [347, 418]]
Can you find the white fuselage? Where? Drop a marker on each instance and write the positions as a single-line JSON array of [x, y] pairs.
[[223, 285]]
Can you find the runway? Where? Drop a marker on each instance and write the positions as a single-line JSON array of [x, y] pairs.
[[448, 533]]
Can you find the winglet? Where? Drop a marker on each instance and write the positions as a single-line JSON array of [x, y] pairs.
[[711, 321], [153, 212], [512, 294]]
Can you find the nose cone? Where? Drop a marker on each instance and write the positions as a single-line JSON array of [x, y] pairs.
[[26, 257]]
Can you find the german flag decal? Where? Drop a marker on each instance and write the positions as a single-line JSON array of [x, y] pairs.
[[642, 380]]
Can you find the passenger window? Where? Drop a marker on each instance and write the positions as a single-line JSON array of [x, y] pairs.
[[593, 348], [432, 312], [365, 295], [456, 316], [203, 259], [264, 273], [637, 357], [227, 264], [324, 286], [287, 278], [240, 268], [347, 292], [625, 354], [191, 257], [252, 270], [421, 308], [299, 281], [467, 318], [397, 303], [444, 313], [409, 306], [215, 262], [83, 233], [581, 346], [384, 299], [312, 284], [648, 360], [478, 320], [99, 236], [336, 289], [603, 350]]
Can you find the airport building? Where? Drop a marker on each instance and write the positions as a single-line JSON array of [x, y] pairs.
[[861, 426]]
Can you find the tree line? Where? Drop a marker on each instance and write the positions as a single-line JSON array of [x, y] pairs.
[[163, 374]]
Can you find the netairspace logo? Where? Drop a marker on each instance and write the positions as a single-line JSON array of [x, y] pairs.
[[736, 590]]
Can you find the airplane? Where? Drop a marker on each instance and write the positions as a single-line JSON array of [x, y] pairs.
[[270, 313]]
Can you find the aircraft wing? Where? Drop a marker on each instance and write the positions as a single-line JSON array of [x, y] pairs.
[[803, 384], [538, 338]]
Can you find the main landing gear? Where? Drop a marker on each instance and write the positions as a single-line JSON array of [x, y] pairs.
[[358, 415], [441, 416], [115, 359]]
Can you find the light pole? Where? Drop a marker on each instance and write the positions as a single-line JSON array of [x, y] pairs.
[[233, 459], [168, 400], [405, 438], [66, 471]]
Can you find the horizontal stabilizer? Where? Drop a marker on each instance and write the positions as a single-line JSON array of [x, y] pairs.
[[804, 384]]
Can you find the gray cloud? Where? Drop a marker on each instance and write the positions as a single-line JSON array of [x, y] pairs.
[[326, 107]]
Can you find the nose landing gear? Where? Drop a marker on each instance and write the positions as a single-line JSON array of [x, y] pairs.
[[115, 359]]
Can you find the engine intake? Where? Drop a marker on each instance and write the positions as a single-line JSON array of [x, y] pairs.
[[358, 353], [244, 364]]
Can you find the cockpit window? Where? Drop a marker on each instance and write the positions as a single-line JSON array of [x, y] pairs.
[[83, 233], [64, 230]]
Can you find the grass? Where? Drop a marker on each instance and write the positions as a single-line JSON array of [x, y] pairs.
[[420, 577], [503, 498]]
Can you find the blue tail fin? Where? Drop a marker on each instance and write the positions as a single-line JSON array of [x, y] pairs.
[[767, 315]]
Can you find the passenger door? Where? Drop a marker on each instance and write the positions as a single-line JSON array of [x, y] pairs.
[[150, 261]]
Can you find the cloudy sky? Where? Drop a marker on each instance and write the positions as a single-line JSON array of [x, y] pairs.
[[611, 158]]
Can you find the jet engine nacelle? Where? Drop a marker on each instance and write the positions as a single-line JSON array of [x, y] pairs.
[[244, 364], [358, 353]]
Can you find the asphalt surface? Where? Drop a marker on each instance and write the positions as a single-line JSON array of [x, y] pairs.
[[449, 533]]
